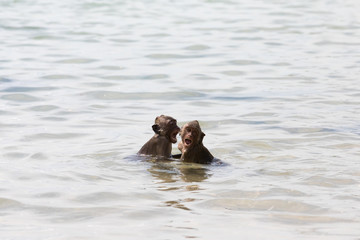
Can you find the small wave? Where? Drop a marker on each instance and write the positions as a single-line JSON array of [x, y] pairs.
[[44, 108], [113, 95], [44, 136], [28, 89], [77, 61], [9, 203], [197, 47], [58, 76], [20, 98], [274, 205]]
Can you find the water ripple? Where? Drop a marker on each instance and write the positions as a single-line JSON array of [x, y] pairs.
[[25, 98], [28, 89], [274, 85], [113, 95]]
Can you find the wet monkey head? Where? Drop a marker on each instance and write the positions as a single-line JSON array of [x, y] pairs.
[[166, 126]]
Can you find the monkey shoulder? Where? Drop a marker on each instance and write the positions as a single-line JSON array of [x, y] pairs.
[[149, 146], [199, 154], [205, 155]]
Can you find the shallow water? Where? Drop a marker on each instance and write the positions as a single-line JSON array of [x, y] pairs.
[[274, 85]]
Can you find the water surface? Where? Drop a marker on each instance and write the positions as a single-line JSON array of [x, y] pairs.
[[274, 85]]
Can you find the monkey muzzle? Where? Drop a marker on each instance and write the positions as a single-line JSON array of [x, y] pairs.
[[173, 135], [187, 142]]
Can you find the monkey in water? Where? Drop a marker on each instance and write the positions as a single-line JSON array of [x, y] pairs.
[[191, 146], [166, 130]]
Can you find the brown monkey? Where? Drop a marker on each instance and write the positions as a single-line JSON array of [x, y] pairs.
[[191, 146], [165, 129]]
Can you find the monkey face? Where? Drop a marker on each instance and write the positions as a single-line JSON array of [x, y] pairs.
[[166, 126], [173, 130], [189, 136]]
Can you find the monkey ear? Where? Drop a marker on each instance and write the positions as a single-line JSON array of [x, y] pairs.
[[181, 130], [156, 128], [202, 135]]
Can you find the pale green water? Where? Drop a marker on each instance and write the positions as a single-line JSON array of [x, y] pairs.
[[274, 84]]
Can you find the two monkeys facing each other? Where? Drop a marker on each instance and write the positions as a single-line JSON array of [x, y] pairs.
[[191, 146]]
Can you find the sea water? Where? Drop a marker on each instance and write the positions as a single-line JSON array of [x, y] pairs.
[[274, 85]]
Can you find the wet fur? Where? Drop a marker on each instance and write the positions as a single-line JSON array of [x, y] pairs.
[[157, 146], [160, 144], [197, 152]]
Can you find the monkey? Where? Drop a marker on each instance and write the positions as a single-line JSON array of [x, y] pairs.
[[191, 145], [166, 130]]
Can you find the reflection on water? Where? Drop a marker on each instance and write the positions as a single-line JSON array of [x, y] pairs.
[[173, 170], [179, 203], [168, 171]]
